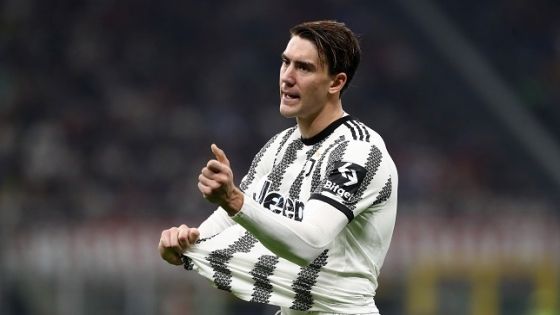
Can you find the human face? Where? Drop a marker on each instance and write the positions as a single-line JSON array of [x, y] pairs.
[[304, 81]]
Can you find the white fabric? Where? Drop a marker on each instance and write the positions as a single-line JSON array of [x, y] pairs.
[[218, 221], [330, 201], [299, 242]]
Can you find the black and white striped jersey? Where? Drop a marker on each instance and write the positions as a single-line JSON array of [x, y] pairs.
[[346, 166]]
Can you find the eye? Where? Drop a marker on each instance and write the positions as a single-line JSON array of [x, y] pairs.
[[303, 67]]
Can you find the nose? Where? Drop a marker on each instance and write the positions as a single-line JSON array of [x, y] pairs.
[[287, 75]]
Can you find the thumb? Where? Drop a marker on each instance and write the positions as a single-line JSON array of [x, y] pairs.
[[220, 155]]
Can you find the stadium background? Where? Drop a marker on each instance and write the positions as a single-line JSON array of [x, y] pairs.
[[108, 108]]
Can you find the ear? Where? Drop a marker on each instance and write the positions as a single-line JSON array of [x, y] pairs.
[[338, 82]]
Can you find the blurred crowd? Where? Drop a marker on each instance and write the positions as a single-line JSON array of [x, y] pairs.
[[521, 39], [108, 108]]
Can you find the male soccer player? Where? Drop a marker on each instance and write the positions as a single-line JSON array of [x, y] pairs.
[[310, 224]]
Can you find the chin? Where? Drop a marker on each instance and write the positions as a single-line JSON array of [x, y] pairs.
[[287, 111]]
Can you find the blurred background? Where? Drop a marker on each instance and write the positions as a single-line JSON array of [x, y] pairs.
[[108, 109]]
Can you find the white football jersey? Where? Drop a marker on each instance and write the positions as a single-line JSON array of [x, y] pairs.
[[346, 166]]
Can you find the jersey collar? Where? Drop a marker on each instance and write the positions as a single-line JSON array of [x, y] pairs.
[[326, 132]]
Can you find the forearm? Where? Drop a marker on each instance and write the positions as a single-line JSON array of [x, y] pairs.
[[299, 242], [215, 223]]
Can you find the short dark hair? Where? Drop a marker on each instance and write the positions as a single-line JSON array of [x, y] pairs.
[[337, 45]]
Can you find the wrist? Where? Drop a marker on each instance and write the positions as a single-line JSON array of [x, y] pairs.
[[234, 202]]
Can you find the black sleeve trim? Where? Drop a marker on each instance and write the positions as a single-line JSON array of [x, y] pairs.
[[342, 208]]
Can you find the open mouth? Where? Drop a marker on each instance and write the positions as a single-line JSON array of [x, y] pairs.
[[290, 96]]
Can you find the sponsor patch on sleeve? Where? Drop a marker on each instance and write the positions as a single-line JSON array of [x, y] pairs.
[[344, 180]]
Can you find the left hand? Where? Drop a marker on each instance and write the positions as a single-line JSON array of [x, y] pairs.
[[215, 182]]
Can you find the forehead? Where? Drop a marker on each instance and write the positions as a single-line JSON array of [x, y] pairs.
[[302, 49]]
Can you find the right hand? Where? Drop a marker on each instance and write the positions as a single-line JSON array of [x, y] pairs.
[[216, 184], [175, 241]]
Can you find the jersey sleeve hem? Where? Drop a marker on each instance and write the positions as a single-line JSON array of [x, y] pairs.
[[342, 208]]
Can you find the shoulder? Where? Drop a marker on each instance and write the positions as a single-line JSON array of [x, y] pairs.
[[284, 135], [278, 139], [360, 137], [362, 146]]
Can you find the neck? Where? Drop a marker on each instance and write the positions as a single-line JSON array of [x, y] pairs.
[[310, 126]]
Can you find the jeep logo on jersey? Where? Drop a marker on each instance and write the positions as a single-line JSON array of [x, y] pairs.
[[275, 202], [344, 180]]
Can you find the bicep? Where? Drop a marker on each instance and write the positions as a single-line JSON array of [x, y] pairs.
[[322, 223]]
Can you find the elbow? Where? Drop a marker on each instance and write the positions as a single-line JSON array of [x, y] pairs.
[[308, 251], [303, 259]]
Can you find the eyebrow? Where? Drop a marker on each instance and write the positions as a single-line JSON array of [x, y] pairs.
[[300, 63]]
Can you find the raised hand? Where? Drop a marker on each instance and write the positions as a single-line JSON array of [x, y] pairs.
[[215, 182]]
